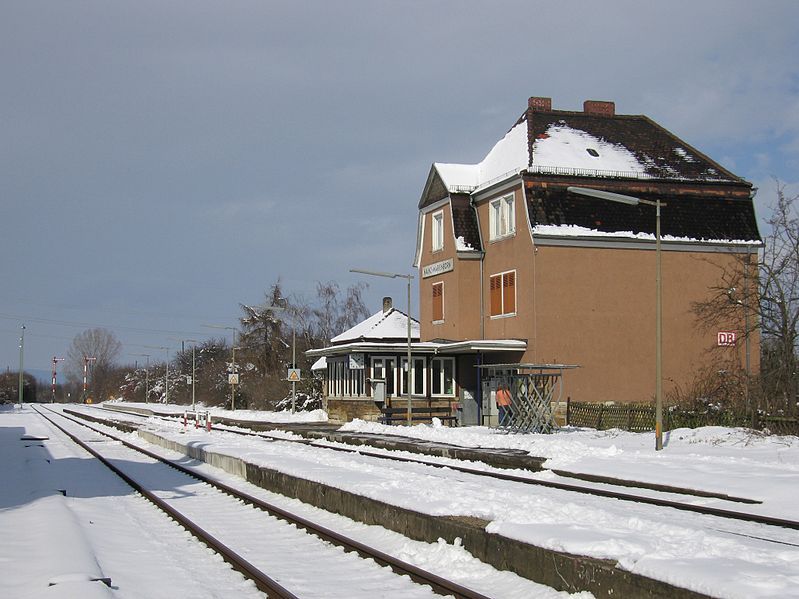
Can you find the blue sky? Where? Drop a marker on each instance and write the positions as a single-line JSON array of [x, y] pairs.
[[162, 162]]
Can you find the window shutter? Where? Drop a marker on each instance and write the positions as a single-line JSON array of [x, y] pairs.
[[438, 301], [509, 292], [496, 295]]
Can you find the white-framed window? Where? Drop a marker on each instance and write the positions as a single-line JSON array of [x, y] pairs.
[[442, 377], [386, 368], [502, 217], [437, 234], [342, 381], [418, 379]]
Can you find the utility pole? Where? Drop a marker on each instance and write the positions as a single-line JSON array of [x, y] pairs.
[[293, 365], [55, 362], [166, 372], [21, 363], [146, 377], [232, 375]]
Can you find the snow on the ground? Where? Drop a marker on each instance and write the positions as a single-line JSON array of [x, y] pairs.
[[709, 555], [97, 528], [715, 556], [733, 461], [253, 415]]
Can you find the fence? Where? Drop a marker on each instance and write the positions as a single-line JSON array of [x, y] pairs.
[[640, 418]]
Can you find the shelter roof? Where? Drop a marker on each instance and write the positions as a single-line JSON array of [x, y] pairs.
[[381, 326]]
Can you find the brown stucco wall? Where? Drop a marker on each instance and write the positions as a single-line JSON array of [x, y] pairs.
[[594, 307], [461, 288]]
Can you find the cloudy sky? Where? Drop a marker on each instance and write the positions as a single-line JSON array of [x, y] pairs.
[[161, 162]]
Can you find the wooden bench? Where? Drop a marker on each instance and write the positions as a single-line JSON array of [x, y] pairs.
[[393, 415]]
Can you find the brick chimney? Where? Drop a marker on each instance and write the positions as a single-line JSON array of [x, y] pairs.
[[387, 305], [599, 108], [537, 104]]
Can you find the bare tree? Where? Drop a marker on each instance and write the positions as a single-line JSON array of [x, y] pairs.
[[764, 295], [103, 346], [334, 314]]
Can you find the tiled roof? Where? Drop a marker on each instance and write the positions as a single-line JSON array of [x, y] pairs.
[[653, 152], [684, 216]]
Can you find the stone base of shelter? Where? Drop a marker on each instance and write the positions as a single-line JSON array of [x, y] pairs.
[[341, 410]]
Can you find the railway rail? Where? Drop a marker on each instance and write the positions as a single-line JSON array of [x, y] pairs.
[[263, 581], [564, 486]]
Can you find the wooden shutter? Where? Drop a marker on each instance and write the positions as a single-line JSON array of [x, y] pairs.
[[496, 295], [438, 301], [509, 292]]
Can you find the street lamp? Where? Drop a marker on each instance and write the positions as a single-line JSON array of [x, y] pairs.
[[232, 376], [391, 275], [146, 377], [633, 201]]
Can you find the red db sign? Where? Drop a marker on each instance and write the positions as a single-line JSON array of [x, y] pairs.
[[726, 338]]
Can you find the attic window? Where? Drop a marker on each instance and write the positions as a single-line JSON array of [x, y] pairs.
[[593, 152]]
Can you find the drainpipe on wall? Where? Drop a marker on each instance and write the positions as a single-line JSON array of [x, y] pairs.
[[479, 389], [482, 258]]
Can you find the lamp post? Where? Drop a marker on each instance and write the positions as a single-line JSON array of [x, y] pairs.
[[392, 275], [232, 376], [146, 377], [633, 201]]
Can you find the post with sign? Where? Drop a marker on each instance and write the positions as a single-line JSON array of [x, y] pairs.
[[293, 377]]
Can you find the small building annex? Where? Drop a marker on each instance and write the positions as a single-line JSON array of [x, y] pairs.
[[366, 367], [508, 249]]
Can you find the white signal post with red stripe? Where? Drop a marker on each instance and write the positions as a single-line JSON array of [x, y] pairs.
[[86, 360], [55, 362]]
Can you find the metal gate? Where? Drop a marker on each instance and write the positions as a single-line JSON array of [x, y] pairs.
[[532, 389]]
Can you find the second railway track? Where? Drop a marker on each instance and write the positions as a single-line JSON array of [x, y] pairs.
[[605, 491], [316, 541]]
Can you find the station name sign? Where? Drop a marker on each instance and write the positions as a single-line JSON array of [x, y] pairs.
[[438, 268]]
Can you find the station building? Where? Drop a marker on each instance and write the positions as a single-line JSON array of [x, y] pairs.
[[525, 266]]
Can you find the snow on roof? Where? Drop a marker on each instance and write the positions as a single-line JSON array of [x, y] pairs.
[[578, 231], [381, 325], [509, 154], [462, 246], [562, 146], [320, 364]]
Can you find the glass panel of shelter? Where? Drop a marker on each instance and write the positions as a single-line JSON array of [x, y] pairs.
[[418, 379]]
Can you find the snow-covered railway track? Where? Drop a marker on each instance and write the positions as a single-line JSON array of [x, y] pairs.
[[302, 558], [558, 480]]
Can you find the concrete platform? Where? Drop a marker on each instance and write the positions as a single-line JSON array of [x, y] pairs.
[[556, 569]]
